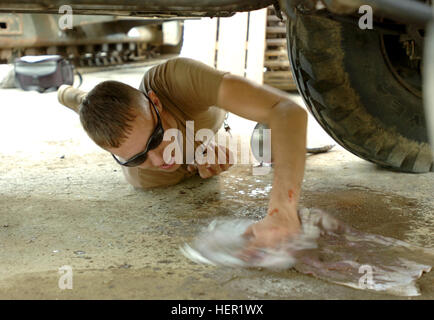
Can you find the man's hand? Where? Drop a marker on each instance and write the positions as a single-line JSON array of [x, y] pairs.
[[208, 170], [279, 226]]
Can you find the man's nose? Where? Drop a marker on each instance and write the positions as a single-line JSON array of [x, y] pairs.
[[155, 158]]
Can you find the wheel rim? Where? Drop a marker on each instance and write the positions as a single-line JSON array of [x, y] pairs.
[[403, 56]]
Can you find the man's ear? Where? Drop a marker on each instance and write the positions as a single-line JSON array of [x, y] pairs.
[[155, 100]]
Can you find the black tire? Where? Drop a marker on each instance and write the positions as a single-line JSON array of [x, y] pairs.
[[348, 87]]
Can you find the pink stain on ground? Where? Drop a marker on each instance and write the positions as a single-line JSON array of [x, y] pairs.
[[274, 211], [290, 194]]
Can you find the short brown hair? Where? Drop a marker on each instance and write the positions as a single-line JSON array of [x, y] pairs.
[[107, 112]]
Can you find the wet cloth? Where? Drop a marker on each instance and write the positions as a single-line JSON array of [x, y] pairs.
[[188, 89], [327, 249]]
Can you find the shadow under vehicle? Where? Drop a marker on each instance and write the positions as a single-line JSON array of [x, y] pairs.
[[364, 86], [91, 40]]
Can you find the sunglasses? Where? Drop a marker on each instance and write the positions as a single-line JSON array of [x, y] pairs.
[[154, 141]]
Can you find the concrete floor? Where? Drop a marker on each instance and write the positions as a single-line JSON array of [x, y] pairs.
[[64, 201]]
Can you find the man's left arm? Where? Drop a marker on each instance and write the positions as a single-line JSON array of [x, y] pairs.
[[288, 123]]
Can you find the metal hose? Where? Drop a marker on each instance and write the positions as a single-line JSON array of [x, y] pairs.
[[70, 97]]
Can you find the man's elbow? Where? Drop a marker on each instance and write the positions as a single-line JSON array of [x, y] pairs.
[[289, 110]]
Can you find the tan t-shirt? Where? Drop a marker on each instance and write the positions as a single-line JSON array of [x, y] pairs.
[[188, 90]]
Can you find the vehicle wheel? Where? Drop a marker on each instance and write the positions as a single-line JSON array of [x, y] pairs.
[[352, 87]]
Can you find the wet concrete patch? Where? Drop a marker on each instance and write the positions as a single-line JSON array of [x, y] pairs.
[[197, 282], [145, 230], [377, 212]]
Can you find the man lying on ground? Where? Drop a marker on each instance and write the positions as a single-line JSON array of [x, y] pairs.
[[131, 123]]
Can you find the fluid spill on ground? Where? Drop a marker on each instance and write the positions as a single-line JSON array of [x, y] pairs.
[[145, 229]]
